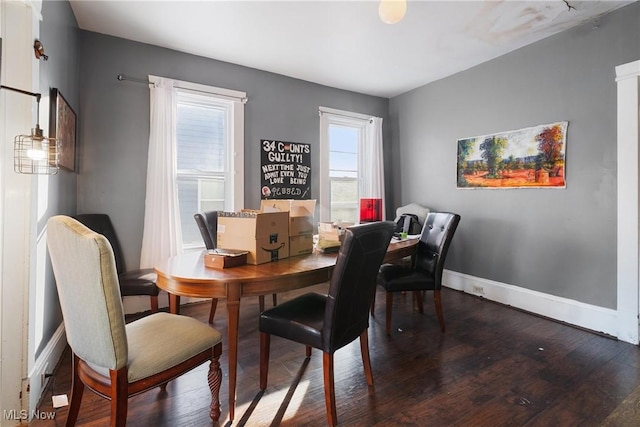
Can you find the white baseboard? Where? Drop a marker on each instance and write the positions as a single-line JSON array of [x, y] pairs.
[[597, 319], [45, 364]]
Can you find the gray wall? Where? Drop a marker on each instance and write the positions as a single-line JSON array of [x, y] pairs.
[[59, 35], [115, 125], [557, 241], [560, 242]]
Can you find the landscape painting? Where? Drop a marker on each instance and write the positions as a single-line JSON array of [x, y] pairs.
[[527, 158]]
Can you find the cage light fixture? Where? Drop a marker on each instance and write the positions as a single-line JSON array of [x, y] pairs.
[[35, 154]]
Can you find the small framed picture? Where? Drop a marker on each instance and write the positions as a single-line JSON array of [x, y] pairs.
[[63, 124]]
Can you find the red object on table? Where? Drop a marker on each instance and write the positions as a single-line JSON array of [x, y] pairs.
[[370, 210]]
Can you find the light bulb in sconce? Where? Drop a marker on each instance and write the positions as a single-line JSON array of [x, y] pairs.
[[36, 152], [392, 11], [36, 155]]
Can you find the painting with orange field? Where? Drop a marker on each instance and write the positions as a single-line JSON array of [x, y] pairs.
[[532, 157]]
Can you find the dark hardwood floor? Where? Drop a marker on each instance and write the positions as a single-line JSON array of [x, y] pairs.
[[494, 366]]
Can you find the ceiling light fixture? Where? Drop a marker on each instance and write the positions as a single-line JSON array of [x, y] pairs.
[[392, 11], [34, 154]]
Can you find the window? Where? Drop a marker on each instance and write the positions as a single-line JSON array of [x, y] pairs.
[[342, 139], [205, 154], [195, 162]]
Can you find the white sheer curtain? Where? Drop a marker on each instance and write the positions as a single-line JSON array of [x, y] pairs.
[[372, 184], [161, 237]]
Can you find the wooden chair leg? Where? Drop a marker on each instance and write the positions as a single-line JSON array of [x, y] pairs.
[[329, 389], [437, 299], [366, 361], [389, 307], [77, 388], [214, 378], [119, 397], [261, 303], [265, 341], [417, 296], [308, 350], [154, 303], [212, 312], [275, 299]]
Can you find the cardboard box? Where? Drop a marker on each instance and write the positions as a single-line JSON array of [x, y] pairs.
[[300, 245], [327, 231], [265, 235], [301, 213]]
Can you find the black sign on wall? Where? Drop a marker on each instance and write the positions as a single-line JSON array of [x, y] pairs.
[[286, 170]]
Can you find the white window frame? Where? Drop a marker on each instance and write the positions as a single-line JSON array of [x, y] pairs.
[[234, 102], [161, 202], [328, 117]]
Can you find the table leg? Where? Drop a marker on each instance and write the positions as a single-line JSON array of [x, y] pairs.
[[233, 315], [174, 303]]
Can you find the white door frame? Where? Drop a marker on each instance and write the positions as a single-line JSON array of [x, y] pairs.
[[19, 25], [628, 247]]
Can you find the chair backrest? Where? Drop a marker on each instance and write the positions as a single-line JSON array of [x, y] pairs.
[[413, 208], [437, 233], [208, 225], [101, 223], [353, 282], [87, 283]]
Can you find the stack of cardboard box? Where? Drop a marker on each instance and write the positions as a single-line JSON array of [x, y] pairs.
[[264, 235], [301, 220]]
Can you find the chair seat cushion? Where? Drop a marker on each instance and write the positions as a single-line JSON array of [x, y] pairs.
[[162, 340], [298, 320], [144, 274], [139, 282], [394, 278]]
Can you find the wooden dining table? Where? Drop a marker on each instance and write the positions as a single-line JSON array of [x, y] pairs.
[[186, 275]]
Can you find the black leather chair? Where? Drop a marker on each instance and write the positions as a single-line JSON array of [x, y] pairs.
[[134, 282], [425, 273], [329, 322], [207, 222]]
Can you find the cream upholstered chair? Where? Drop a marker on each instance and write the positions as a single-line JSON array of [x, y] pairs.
[[113, 359], [132, 282]]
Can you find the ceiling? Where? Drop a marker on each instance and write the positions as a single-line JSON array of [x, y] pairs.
[[342, 44]]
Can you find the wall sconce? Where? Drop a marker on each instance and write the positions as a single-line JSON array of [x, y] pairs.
[[39, 50], [392, 11], [34, 154], [370, 210]]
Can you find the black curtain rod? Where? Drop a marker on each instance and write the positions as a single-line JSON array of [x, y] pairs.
[[122, 77], [37, 95]]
